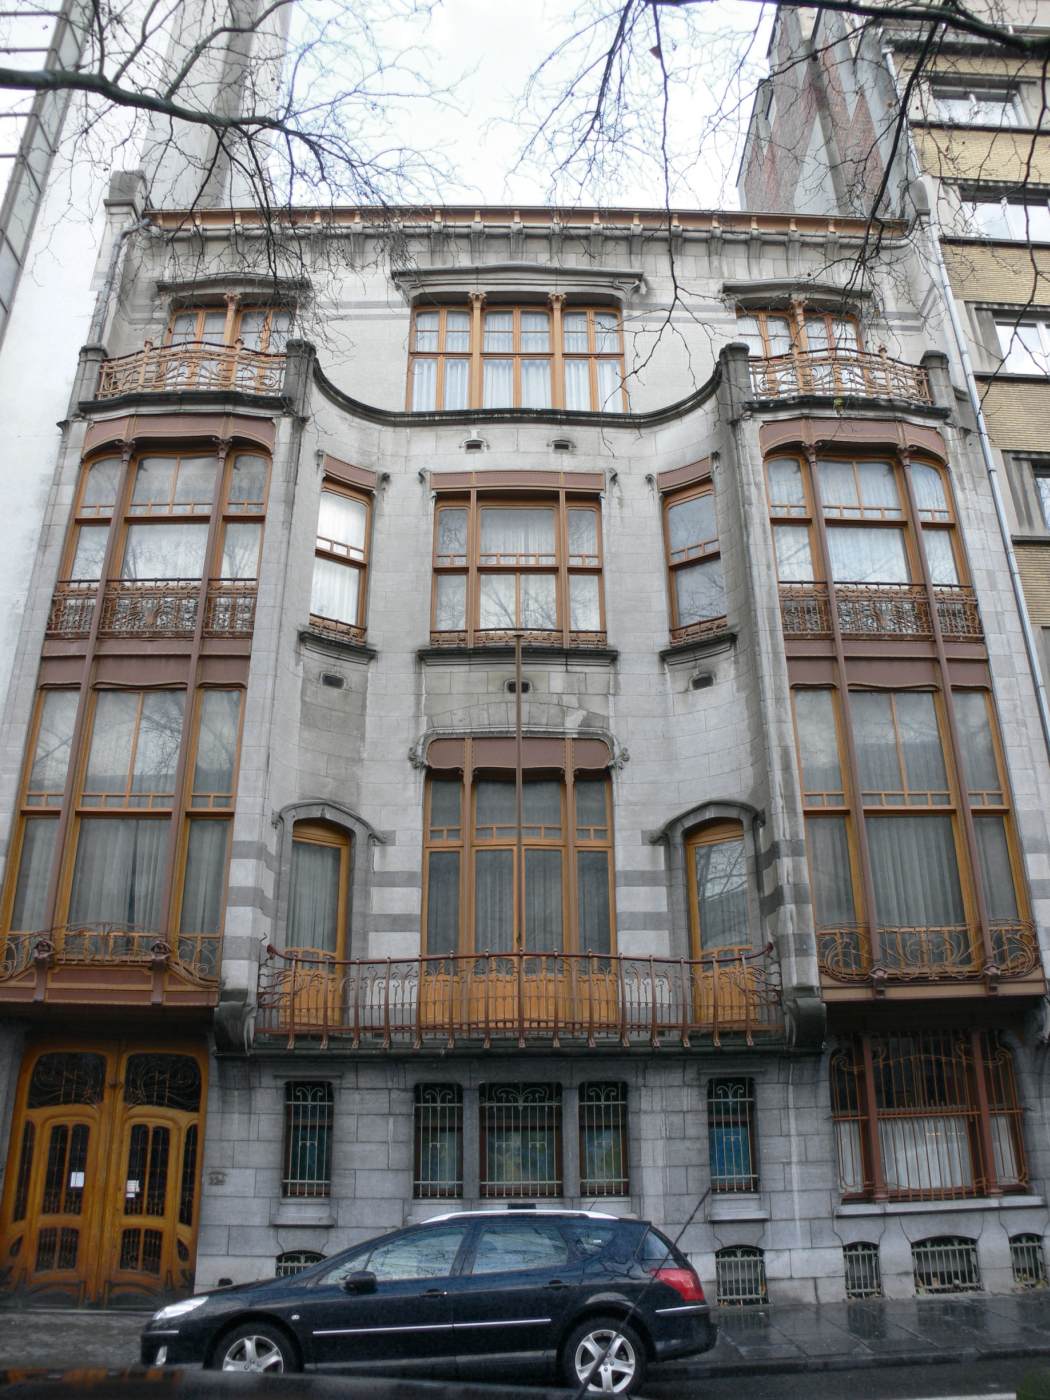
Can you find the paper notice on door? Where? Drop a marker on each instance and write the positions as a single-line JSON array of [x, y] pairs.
[[131, 1189], [76, 1181]]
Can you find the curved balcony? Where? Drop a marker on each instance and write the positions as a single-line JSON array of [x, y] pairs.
[[108, 964], [839, 373], [194, 366], [879, 611], [516, 999], [953, 953]]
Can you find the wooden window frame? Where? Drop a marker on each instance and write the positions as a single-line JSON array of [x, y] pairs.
[[716, 833], [561, 501], [321, 833], [468, 843], [705, 552], [356, 629], [476, 354], [234, 314]]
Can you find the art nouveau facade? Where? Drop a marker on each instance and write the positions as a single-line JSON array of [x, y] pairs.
[[476, 734]]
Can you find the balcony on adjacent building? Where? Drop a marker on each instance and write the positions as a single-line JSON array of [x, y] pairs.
[[153, 609], [520, 999], [957, 953], [839, 372], [193, 366], [108, 965], [879, 611]]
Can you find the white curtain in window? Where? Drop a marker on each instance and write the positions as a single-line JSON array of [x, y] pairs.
[[1004, 1147], [499, 331], [691, 524], [927, 487], [610, 395], [925, 1154], [164, 551], [313, 896], [443, 902], [721, 890], [335, 591], [424, 385], [818, 741], [457, 384], [217, 741], [578, 384], [851, 1158], [543, 901], [53, 740], [539, 608], [700, 592], [915, 871], [940, 557], [34, 870], [493, 901], [450, 609], [240, 551], [90, 552], [996, 871], [499, 384], [205, 877], [507, 532], [574, 331], [592, 900], [831, 884], [535, 383], [119, 872], [867, 555], [342, 521], [584, 611], [794, 558]]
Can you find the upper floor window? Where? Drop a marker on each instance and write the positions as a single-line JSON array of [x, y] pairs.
[[1016, 219], [694, 562], [770, 333], [263, 328], [1024, 343], [719, 888], [503, 564], [319, 889], [516, 357], [337, 600], [975, 103]]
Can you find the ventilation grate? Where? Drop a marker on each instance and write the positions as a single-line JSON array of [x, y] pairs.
[[947, 1264], [863, 1274], [740, 1276], [1028, 1260]]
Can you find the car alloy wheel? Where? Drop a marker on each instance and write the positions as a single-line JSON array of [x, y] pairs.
[[607, 1360], [253, 1352]]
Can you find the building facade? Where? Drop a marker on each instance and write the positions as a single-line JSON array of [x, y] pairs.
[[487, 731]]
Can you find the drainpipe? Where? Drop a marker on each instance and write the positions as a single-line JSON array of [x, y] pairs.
[[931, 223], [98, 320]]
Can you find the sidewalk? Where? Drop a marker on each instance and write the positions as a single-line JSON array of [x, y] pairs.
[[752, 1341]]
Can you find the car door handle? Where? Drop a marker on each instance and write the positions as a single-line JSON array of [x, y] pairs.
[[436, 1293], [557, 1283]]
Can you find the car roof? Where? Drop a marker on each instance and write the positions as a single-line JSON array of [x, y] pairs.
[[520, 1210]]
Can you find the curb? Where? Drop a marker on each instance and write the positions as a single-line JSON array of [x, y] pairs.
[[793, 1365]]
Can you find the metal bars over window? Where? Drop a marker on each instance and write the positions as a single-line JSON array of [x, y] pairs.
[[521, 1140], [438, 1138], [603, 1140], [863, 1271], [946, 1264], [731, 1134], [740, 1276], [307, 1139], [294, 1261], [1028, 1260]]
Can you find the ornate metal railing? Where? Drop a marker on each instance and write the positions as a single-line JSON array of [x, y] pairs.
[[536, 637], [72, 608], [838, 372], [229, 610], [881, 611], [195, 365], [150, 607], [954, 952], [695, 631], [517, 998], [109, 945]]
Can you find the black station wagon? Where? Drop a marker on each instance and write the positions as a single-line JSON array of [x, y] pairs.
[[580, 1294]]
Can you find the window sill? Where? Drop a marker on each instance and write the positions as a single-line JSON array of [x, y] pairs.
[[939, 1207], [308, 1212], [694, 647], [336, 645], [502, 652], [748, 1205]]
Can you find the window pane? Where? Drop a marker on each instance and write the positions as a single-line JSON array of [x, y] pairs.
[[496, 806], [794, 560], [606, 333], [691, 525], [499, 384], [154, 479], [721, 887], [541, 805], [457, 330], [165, 551], [251, 328], [827, 845], [535, 384], [34, 870], [535, 332], [240, 551], [940, 557], [876, 742], [426, 330], [818, 742], [443, 901], [592, 901], [313, 896], [499, 331], [574, 329], [785, 482], [1042, 483], [119, 872], [54, 737], [543, 901], [578, 384], [838, 485], [195, 482], [450, 611], [424, 385], [205, 880], [539, 608], [445, 799], [749, 331], [610, 391], [248, 480], [493, 901], [996, 871], [335, 592], [112, 738], [159, 741], [779, 334], [101, 484], [341, 522], [497, 601], [584, 610], [457, 384], [590, 805], [700, 592], [867, 555], [976, 744], [583, 536], [928, 488], [452, 536], [90, 552], [220, 712], [915, 871], [921, 742], [508, 535]]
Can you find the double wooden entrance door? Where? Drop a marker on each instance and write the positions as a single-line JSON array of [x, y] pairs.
[[103, 1176]]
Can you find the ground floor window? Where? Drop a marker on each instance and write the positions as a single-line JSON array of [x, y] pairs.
[[438, 1139], [308, 1111], [521, 1140]]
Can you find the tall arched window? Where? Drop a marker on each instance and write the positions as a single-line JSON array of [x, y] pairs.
[[717, 872], [319, 888]]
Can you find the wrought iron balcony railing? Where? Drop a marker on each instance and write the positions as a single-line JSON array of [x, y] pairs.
[[153, 608], [195, 365], [838, 372], [953, 953], [881, 611], [535, 637], [72, 608], [522, 998], [102, 963]]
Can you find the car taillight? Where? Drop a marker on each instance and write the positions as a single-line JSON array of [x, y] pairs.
[[684, 1282]]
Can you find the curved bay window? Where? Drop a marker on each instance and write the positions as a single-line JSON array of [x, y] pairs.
[[516, 357], [802, 350], [694, 563], [929, 1116], [337, 598], [913, 862], [864, 537], [719, 889], [319, 890], [504, 565]]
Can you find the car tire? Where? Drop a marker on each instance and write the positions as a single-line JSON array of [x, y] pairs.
[[255, 1346], [623, 1369]]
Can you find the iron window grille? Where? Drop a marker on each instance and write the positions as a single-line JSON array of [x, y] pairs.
[[521, 1140], [308, 1111], [294, 1261], [946, 1264], [740, 1276], [438, 1138], [603, 1139], [1028, 1261], [731, 1134], [862, 1269]]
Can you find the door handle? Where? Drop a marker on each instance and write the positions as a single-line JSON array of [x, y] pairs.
[[436, 1293], [557, 1283]]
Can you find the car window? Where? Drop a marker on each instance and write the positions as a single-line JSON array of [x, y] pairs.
[[589, 1237], [426, 1253], [518, 1245], [347, 1264], [658, 1251]]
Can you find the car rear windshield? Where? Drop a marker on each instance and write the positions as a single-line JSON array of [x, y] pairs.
[[656, 1252]]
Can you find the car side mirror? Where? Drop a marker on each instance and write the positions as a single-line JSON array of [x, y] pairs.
[[360, 1281]]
